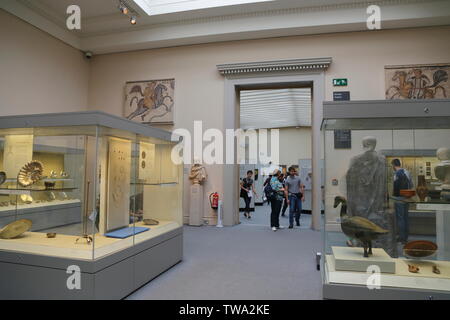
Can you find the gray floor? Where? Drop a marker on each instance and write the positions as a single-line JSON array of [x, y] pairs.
[[248, 261]]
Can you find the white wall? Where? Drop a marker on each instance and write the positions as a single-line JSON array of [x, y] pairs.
[[295, 144], [199, 88], [39, 73]]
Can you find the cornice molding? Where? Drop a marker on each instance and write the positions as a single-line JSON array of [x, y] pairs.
[[276, 66]]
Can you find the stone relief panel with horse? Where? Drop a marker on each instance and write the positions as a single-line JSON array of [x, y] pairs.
[[417, 81], [150, 101]]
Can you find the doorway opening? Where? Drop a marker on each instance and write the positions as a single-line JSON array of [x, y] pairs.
[[287, 108]]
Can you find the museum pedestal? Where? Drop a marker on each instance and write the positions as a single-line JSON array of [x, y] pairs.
[[352, 259], [196, 205], [114, 276]]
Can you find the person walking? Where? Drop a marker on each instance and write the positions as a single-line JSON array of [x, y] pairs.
[[267, 189], [278, 193], [282, 179], [295, 190], [247, 192], [402, 181]]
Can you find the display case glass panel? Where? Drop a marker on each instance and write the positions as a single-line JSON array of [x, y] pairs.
[[387, 204], [86, 191]]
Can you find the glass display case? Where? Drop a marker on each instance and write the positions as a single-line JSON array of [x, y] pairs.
[[86, 186], [387, 199]]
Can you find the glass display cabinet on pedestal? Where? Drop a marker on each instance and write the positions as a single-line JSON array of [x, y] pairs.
[[387, 200], [89, 190]]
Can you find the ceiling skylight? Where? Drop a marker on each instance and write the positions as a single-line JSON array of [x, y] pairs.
[[155, 7]]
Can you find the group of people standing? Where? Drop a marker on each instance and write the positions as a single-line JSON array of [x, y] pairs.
[[281, 192]]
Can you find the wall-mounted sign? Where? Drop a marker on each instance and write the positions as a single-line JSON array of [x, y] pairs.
[[341, 96], [340, 82], [342, 139]]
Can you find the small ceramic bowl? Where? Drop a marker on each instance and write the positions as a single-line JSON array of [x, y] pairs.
[[49, 184], [408, 193], [419, 249]]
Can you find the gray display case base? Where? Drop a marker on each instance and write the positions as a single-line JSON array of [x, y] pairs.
[[338, 291], [29, 276], [356, 292]]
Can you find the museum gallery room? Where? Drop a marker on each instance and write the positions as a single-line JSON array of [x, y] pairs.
[[225, 149]]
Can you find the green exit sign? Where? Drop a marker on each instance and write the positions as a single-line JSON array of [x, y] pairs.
[[340, 82]]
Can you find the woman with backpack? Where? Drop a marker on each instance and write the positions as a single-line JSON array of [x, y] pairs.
[[247, 192], [276, 200], [268, 189]]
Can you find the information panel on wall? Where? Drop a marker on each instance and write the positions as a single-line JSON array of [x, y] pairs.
[[342, 139]]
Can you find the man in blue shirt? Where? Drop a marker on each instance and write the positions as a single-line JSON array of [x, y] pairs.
[[402, 181]]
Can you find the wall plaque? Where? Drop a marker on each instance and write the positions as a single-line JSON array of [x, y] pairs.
[[342, 139]]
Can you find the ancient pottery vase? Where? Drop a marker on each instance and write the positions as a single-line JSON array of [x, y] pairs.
[[421, 190]]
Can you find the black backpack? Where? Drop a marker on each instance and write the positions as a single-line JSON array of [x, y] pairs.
[[269, 191]]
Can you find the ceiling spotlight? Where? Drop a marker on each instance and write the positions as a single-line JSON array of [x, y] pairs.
[[123, 8], [133, 20]]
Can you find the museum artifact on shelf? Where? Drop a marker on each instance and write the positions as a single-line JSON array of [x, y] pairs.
[[393, 190], [15, 229], [359, 228], [419, 249], [30, 173], [78, 194], [198, 176]]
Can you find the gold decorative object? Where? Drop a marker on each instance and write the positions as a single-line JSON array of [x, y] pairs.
[[51, 235], [26, 198], [15, 229], [413, 269], [30, 173]]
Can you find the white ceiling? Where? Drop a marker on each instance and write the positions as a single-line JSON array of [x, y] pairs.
[[104, 29], [275, 108]]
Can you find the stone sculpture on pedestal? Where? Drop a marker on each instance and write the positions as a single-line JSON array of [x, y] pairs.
[[366, 189], [198, 176]]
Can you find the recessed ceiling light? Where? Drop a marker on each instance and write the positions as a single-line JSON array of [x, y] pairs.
[[133, 20], [123, 8]]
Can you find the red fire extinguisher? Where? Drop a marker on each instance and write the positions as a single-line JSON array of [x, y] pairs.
[[214, 200]]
